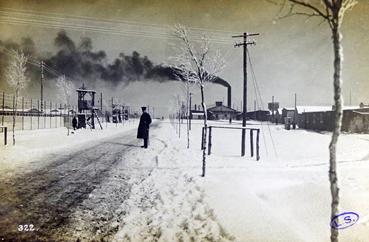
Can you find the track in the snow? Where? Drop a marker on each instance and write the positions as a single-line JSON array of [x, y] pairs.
[[47, 196]]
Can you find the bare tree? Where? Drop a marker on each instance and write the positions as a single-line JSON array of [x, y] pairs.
[[16, 77], [188, 112], [186, 91], [66, 88], [198, 64], [331, 12]]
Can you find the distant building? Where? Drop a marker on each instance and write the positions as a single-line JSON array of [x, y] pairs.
[[277, 117], [355, 120], [197, 114], [219, 111], [259, 115]]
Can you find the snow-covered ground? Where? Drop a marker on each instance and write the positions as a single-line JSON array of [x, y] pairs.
[[157, 194], [285, 195], [33, 145]]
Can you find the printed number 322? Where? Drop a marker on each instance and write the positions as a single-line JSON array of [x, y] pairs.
[[26, 227]]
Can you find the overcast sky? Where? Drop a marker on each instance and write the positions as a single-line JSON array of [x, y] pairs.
[[292, 55]]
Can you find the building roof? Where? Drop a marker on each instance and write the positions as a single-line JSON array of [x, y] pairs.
[[311, 109], [361, 113], [222, 108], [85, 90], [259, 111], [197, 112]]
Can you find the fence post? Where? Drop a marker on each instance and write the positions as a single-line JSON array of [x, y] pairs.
[[243, 144], [56, 115], [14, 118], [31, 113], [5, 135], [65, 114], [257, 144], [209, 144], [179, 124], [22, 113], [2, 118], [60, 114], [68, 109], [252, 142], [202, 139], [38, 114], [44, 114], [51, 104]]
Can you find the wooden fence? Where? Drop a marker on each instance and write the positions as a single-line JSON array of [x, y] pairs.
[[252, 146]]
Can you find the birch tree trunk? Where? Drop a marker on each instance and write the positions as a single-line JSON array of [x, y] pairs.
[[188, 114], [338, 100], [205, 130], [14, 112], [332, 11]]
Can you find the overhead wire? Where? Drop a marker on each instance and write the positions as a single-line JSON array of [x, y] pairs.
[[262, 104], [104, 20], [258, 101], [150, 30]]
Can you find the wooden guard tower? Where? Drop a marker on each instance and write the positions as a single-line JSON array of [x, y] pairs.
[[86, 107]]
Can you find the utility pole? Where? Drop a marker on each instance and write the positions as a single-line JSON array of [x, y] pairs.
[[273, 109], [295, 113], [255, 109], [112, 108], [190, 114], [101, 102], [42, 85], [245, 43]]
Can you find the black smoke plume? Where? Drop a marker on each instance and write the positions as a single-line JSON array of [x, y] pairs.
[[166, 73], [81, 64]]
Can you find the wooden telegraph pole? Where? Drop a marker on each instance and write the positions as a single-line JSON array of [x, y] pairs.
[[42, 86], [190, 114], [245, 43]]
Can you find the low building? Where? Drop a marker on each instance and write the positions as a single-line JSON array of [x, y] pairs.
[[219, 111], [276, 116], [355, 120], [197, 114], [259, 115]]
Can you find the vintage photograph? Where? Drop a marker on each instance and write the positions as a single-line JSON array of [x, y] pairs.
[[193, 120]]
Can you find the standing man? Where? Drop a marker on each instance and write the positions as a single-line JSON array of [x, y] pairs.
[[74, 122], [143, 127]]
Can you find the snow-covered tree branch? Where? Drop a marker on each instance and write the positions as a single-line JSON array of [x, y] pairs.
[[196, 63], [66, 89], [16, 78]]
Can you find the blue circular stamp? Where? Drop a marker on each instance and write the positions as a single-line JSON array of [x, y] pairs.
[[344, 220]]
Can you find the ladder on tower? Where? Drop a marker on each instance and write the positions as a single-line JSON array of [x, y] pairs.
[[97, 117]]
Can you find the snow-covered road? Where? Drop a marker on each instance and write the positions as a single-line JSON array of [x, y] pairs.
[[111, 191], [47, 196]]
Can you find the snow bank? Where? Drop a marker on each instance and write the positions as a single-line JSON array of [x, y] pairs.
[[149, 196], [285, 196]]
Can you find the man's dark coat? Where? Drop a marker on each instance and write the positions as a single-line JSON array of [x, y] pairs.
[[74, 122], [143, 127]]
